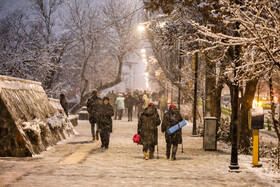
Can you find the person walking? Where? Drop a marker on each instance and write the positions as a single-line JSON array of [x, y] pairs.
[[120, 106], [94, 105], [129, 103], [105, 125], [140, 105], [146, 100], [147, 129], [112, 98], [64, 103], [171, 118], [162, 103]]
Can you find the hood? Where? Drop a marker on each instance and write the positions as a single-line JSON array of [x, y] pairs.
[[149, 111], [145, 96]]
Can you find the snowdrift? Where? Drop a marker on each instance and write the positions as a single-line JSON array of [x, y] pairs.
[[29, 121]]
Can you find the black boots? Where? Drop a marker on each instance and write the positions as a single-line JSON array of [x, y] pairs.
[[97, 135], [174, 150], [168, 147]]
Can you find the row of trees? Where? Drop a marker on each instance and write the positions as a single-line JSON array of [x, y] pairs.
[[69, 43], [237, 42]]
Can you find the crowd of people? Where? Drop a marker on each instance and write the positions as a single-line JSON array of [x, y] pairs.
[[101, 112]]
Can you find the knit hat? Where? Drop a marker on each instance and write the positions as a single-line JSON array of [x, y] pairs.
[[172, 106]]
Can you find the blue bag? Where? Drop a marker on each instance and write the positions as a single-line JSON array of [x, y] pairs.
[[176, 127]]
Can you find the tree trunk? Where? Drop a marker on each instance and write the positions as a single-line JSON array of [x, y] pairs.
[[218, 94], [247, 101], [100, 87], [274, 120], [210, 89]]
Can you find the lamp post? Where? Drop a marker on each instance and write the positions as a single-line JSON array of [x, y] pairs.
[[141, 28], [195, 93], [234, 120]]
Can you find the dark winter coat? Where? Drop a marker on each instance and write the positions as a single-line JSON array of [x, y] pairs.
[[64, 104], [147, 126], [94, 105], [105, 123], [129, 102], [112, 98], [171, 118], [140, 103]]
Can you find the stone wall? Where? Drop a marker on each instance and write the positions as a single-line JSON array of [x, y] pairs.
[[29, 122]]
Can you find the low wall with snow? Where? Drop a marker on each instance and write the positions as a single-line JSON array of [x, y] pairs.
[[29, 121]]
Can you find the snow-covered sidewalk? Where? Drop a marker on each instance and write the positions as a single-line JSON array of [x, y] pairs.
[[79, 162]]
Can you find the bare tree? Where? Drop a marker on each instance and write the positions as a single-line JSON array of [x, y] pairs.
[[44, 12], [243, 39], [104, 50]]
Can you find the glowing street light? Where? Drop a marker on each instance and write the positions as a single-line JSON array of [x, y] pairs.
[[147, 79], [143, 51], [162, 24], [141, 28], [147, 85], [146, 63]]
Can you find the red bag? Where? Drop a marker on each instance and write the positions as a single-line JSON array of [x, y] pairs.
[[136, 138]]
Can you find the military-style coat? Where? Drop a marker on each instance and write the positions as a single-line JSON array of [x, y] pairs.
[[147, 126]]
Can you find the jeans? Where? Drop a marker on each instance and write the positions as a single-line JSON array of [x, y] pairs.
[[120, 113], [105, 138], [93, 129], [129, 111]]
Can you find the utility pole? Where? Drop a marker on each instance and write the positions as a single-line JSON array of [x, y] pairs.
[[195, 93]]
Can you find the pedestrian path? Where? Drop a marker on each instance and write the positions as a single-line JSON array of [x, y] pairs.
[[81, 162]]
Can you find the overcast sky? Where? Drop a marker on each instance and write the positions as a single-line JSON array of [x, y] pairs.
[[7, 6]]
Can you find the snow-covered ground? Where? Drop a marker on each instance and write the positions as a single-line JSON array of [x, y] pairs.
[[80, 162]]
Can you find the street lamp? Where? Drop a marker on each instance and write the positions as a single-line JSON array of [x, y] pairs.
[[162, 24], [141, 28], [143, 51], [147, 79], [146, 63]]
